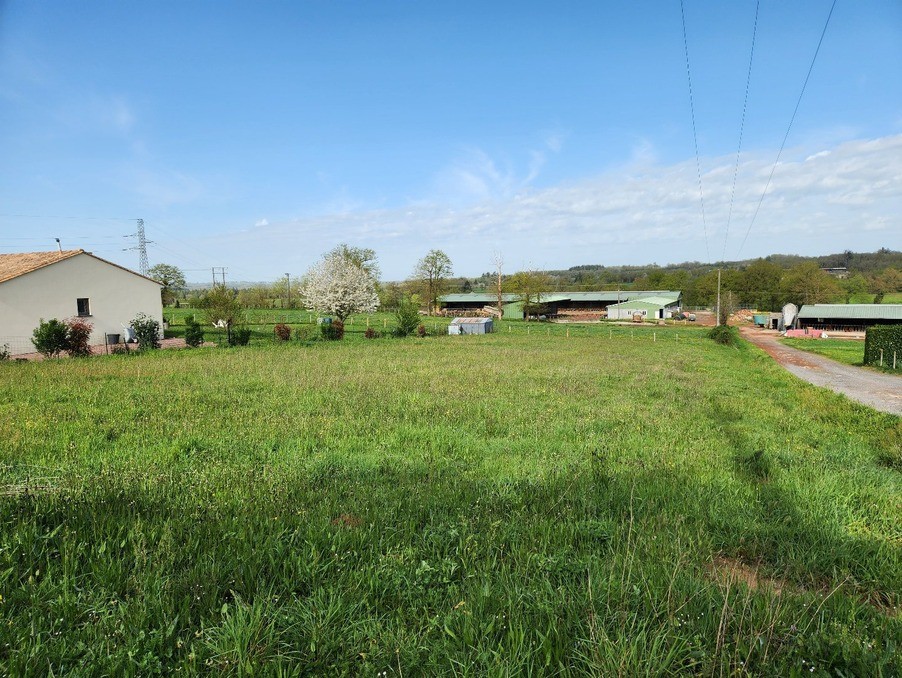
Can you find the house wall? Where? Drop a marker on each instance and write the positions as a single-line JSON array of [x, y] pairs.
[[627, 313], [116, 297]]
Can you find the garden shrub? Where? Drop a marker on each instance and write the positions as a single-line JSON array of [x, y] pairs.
[[407, 316], [725, 335], [78, 337], [194, 335], [334, 330], [147, 332], [370, 333], [4, 352], [885, 337], [283, 332], [50, 337], [240, 336], [421, 331], [305, 333]]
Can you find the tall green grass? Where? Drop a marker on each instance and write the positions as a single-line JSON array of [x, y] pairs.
[[617, 502]]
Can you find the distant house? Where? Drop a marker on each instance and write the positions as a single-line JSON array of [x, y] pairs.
[[649, 308], [554, 303], [66, 284], [849, 317]]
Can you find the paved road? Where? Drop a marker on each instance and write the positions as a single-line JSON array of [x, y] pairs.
[[876, 389]]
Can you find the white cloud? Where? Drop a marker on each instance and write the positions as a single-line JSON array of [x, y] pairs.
[[819, 200], [261, 222]]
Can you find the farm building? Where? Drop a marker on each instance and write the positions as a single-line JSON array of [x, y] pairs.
[[554, 303], [471, 326], [847, 317], [66, 284], [649, 308]]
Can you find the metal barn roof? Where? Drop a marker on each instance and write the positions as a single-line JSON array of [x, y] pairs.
[[471, 321], [852, 311], [660, 302]]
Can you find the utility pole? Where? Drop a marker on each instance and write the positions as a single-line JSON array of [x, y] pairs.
[[717, 320], [141, 247], [288, 278], [222, 272], [498, 260]]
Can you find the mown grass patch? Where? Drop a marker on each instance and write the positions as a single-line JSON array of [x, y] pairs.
[[515, 503], [848, 351]]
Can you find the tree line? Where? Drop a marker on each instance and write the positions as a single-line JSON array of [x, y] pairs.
[[346, 280]]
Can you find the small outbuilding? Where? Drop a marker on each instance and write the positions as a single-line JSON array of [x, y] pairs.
[[648, 308], [471, 326]]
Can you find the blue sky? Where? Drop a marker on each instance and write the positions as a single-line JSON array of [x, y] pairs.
[[256, 136]]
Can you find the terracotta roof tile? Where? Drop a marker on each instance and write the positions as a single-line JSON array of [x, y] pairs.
[[14, 265]]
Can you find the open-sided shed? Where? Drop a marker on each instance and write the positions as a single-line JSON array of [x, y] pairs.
[[471, 326]]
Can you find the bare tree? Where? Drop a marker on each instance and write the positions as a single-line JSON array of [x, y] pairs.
[[498, 260]]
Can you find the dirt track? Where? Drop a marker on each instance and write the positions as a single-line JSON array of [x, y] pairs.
[[875, 389]]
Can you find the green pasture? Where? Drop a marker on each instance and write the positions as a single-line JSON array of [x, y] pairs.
[[620, 501], [848, 351]]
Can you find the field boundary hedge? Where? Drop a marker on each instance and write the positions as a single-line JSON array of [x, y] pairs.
[[885, 337]]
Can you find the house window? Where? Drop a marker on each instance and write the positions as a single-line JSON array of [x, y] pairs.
[[84, 307]]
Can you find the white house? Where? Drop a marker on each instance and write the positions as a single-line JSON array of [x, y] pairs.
[[66, 284]]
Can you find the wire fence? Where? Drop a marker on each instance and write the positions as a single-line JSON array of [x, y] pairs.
[[16, 345]]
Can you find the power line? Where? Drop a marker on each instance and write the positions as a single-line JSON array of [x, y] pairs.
[[48, 216], [698, 166], [745, 103], [788, 128]]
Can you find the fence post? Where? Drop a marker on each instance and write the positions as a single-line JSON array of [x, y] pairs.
[[894, 360], [881, 357], [654, 337], [568, 332]]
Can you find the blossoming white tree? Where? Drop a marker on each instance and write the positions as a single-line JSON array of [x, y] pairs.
[[340, 287]]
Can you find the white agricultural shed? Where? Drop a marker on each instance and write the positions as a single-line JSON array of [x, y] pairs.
[[471, 326], [66, 284], [650, 308]]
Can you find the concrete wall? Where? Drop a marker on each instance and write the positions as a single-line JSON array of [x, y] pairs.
[[115, 297]]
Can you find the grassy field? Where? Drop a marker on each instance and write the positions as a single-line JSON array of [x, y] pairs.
[[617, 502], [846, 351]]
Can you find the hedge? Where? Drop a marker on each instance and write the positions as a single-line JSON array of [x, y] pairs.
[[886, 337]]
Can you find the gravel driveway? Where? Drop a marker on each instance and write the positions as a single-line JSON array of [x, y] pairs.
[[875, 389]]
